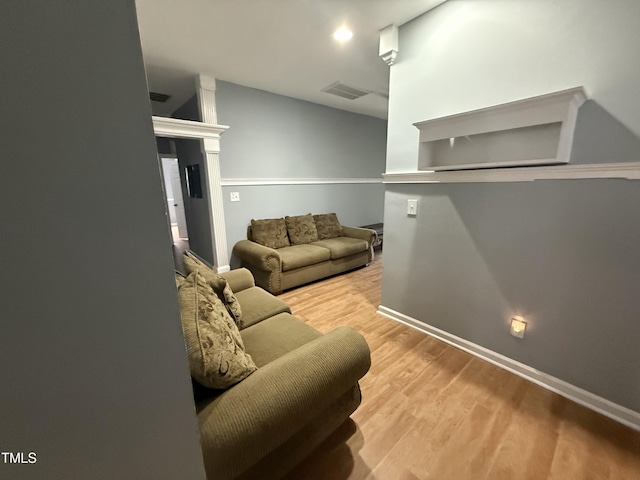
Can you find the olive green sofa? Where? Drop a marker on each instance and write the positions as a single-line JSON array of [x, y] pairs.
[[306, 386], [283, 258]]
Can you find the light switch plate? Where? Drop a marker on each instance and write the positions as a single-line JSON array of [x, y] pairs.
[[235, 196], [412, 208]]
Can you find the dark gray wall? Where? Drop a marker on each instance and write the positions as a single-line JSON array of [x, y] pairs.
[[93, 366], [189, 110], [272, 136], [163, 145], [196, 210], [561, 253]]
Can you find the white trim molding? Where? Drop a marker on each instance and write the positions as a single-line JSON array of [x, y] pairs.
[[624, 170], [241, 182], [177, 128], [594, 402]]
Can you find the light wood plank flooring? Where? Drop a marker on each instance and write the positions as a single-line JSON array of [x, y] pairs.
[[431, 411]]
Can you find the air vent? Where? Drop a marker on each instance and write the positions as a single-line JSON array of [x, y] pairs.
[[159, 97], [345, 91]]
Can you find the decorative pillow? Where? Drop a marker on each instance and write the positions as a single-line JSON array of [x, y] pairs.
[[271, 232], [232, 304], [302, 229], [216, 352], [219, 284], [328, 226], [179, 279]]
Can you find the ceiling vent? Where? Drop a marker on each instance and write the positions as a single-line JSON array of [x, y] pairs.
[[345, 91], [159, 97]]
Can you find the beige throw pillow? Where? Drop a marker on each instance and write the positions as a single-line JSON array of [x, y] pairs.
[[270, 232], [217, 282], [302, 229], [216, 352], [328, 226], [179, 279]]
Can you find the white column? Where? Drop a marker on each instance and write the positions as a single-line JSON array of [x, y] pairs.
[[206, 91]]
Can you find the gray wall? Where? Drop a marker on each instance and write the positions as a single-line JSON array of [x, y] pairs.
[[196, 210], [561, 253], [272, 136], [93, 366]]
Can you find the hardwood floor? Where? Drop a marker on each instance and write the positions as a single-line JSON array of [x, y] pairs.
[[431, 411]]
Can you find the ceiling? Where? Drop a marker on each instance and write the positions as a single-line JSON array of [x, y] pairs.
[[281, 46]]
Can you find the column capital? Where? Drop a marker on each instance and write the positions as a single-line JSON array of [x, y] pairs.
[[388, 44], [203, 81]]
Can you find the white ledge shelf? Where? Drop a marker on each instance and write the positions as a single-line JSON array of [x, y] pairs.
[[241, 182], [177, 128], [623, 170], [533, 131]]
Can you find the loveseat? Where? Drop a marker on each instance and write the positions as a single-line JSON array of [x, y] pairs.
[[301, 384], [283, 253]]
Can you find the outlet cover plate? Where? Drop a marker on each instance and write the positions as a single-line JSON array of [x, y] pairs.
[[412, 208]]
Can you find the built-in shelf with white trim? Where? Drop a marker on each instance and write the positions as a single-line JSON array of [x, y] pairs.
[[534, 131]]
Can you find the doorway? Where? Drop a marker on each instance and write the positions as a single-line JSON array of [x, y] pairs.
[[175, 204]]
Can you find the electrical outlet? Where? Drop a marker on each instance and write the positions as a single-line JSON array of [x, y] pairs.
[[235, 196], [412, 208], [518, 327]]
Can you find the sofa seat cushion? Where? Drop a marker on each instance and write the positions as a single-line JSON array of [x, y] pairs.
[[258, 305], [298, 256], [342, 246], [276, 336]]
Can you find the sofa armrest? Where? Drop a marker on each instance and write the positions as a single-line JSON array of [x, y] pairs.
[[258, 256], [361, 233], [239, 279], [258, 414]]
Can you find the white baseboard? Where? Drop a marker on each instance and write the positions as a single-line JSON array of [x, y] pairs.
[[601, 405], [223, 268]]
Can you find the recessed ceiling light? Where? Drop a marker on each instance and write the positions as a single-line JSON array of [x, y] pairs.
[[343, 34]]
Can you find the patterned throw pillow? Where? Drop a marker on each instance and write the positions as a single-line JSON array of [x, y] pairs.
[[216, 352], [270, 232], [179, 278], [302, 229], [219, 284], [328, 226]]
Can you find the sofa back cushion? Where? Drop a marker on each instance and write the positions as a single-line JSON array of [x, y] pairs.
[[270, 232], [217, 358], [302, 229], [328, 226]]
